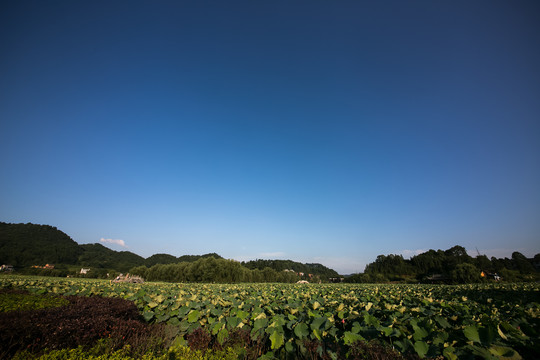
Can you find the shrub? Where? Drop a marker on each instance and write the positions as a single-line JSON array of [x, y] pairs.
[[12, 300], [82, 322], [466, 273]]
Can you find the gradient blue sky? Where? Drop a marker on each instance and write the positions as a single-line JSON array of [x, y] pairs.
[[316, 131]]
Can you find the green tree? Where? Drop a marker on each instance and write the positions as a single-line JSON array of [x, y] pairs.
[[482, 262], [160, 259], [390, 266], [521, 263], [23, 245], [454, 256], [430, 262], [141, 271], [466, 273]]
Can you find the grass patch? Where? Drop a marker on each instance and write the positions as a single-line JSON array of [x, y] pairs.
[[19, 300], [100, 352]]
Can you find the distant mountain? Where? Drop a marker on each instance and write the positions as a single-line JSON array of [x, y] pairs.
[[99, 256], [169, 259], [160, 259], [280, 265], [193, 258], [24, 245]]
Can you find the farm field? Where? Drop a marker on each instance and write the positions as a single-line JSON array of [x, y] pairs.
[[496, 320]]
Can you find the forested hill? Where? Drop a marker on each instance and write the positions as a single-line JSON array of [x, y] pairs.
[[169, 259], [452, 265], [25, 245], [281, 265], [28, 244], [99, 256]]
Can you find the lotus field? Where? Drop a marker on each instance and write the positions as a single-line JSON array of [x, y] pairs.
[[467, 321]]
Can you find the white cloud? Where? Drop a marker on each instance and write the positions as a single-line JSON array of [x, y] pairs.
[[119, 242]]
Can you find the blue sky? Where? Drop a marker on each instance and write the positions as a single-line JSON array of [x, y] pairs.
[[315, 131]]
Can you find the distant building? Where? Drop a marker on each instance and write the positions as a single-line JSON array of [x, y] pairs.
[[47, 266], [7, 268], [495, 276], [486, 275]]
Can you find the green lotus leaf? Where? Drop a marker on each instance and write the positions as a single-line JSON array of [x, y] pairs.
[[193, 316], [471, 333], [277, 338], [356, 327], [148, 315], [421, 348], [419, 333], [487, 334], [350, 338], [259, 324], [448, 353], [387, 331], [442, 322], [289, 346], [163, 317], [222, 335], [504, 352], [242, 314], [173, 321], [301, 330], [317, 323], [233, 321], [152, 304]]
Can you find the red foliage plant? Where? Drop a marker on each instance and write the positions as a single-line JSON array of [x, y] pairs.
[[83, 322]]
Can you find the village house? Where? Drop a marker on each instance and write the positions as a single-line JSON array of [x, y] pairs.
[[7, 268]]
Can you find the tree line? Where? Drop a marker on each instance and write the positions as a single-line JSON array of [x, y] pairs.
[[212, 270], [452, 266]]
